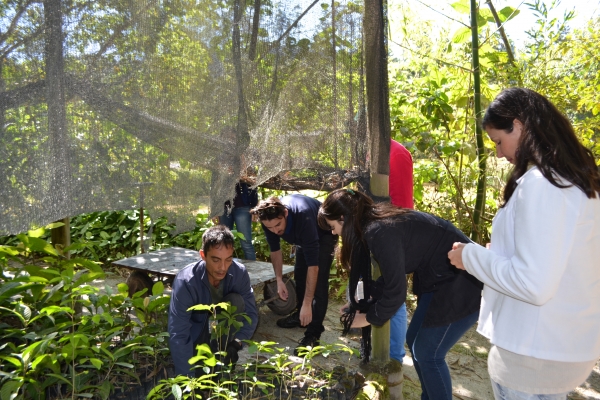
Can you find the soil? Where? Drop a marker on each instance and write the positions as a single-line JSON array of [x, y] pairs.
[[467, 359]]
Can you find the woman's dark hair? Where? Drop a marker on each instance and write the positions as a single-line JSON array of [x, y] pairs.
[[269, 209], [356, 210], [547, 141]]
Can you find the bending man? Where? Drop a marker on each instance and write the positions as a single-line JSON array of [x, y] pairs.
[[294, 219]]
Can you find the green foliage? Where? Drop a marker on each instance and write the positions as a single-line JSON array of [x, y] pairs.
[[431, 97], [64, 338]]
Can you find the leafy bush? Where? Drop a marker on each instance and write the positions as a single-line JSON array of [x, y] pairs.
[[63, 337], [269, 373]]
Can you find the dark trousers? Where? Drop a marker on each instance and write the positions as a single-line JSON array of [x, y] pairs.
[[321, 299], [234, 299]]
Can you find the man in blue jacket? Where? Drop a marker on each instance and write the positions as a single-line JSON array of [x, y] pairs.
[[294, 219], [215, 279]]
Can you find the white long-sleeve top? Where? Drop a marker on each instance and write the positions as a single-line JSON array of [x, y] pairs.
[[542, 273]]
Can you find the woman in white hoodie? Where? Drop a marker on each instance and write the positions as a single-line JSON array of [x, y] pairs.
[[541, 299]]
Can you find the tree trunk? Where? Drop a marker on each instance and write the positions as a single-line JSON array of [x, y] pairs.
[[481, 155], [334, 80], [57, 116], [243, 137], [255, 26]]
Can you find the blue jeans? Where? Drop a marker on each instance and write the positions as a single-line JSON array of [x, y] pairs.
[[243, 224], [429, 347], [504, 393], [398, 334]]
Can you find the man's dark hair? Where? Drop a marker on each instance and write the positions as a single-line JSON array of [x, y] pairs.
[[269, 209], [217, 236]]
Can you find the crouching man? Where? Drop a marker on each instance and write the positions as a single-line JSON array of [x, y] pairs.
[[215, 279]]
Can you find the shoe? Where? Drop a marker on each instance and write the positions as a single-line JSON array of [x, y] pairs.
[[291, 321], [307, 340]]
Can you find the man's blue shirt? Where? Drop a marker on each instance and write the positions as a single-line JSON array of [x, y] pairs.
[[191, 287]]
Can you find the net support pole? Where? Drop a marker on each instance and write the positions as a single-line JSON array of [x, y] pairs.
[[379, 128]]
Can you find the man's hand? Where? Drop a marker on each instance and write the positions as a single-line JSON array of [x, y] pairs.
[[360, 320], [305, 314], [232, 352], [216, 220], [282, 290], [455, 255], [344, 308]]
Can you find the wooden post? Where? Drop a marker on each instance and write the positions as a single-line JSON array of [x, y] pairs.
[[379, 126]]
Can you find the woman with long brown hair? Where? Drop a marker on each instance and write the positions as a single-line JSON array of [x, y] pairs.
[[404, 241], [541, 301]]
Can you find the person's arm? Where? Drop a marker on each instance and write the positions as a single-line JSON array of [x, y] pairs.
[[277, 261], [309, 294], [545, 220], [180, 341]]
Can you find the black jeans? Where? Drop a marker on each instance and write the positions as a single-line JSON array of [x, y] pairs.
[[321, 299]]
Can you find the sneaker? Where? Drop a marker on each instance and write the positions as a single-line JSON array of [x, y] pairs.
[[307, 340], [291, 321]]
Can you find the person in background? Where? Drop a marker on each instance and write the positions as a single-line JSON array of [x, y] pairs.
[[294, 219], [245, 198], [401, 195], [401, 176], [215, 279], [541, 300], [404, 241]]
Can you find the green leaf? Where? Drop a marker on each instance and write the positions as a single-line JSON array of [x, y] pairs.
[[36, 244], [126, 365], [508, 13], [176, 390], [38, 360], [482, 19], [9, 250], [463, 6], [10, 390], [36, 233], [109, 318], [54, 225], [158, 288], [15, 361], [485, 13], [123, 288], [105, 390], [462, 35], [61, 378], [96, 362]]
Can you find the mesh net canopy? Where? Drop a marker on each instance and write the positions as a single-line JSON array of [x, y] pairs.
[[107, 104]]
